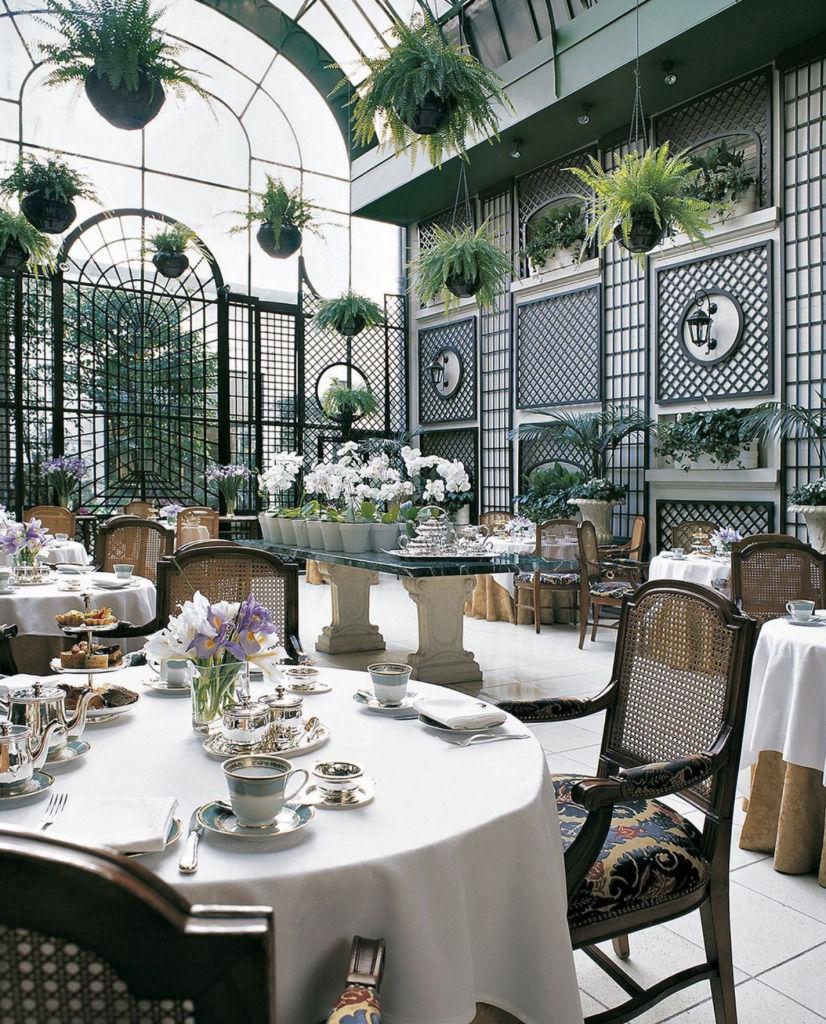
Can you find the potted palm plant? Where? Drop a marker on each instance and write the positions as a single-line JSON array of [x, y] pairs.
[[546, 494], [461, 262], [117, 50], [349, 314], [20, 243], [556, 238], [46, 189], [281, 214], [427, 92], [343, 403], [644, 198], [169, 246], [723, 181]]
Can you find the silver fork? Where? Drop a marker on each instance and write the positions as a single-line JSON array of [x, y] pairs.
[[482, 738], [55, 806]]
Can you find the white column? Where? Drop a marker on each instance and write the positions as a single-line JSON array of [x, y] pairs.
[[440, 601], [351, 629]]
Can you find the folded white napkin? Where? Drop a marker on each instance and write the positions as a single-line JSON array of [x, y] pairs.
[[109, 581], [125, 824], [460, 712]]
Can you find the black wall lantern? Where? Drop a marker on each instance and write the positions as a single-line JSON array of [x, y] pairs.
[[712, 310], [445, 370], [700, 322]]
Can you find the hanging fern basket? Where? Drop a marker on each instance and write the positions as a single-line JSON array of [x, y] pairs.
[[13, 257], [287, 243], [461, 287], [48, 215], [644, 233], [129, 109], [171, 264], [432, 116], [350, 328]]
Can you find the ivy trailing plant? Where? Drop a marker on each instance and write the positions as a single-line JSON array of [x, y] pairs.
[[722, 178], [21, 243], [562, 227], [117, 50], [46, 189], [547, 492], [718, 433], [644, 198], [349, 314], [461, 262], [425, 92], [813, 493], [282, 214]]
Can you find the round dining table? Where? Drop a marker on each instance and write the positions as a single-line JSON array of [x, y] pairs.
[[711, 572], [457, 862], [66, 552]]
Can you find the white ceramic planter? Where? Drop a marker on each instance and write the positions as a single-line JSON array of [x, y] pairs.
[[599, 513], [315, 534], [561, 258], [747, 459], [332, 536], [744, 206], [815, 516], [287, 531], [355, 537], [302, 538], [384, 536], [462, 517], [267, 527]]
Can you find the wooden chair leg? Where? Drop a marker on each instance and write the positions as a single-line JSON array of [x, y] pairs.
[[597, 608], [583, 623], [537, 610], [621, 946], [715, 918]]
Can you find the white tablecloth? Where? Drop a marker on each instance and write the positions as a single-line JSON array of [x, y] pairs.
[[67, 551], [506, 546], [457, 862], [787, 697], [692, 569], [33, 608]]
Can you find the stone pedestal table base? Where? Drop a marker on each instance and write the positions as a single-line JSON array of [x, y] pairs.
[[440, 601], [351, 629]]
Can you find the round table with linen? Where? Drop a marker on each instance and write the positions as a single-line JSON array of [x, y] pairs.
[[711, 572], [457, 862], [67, 551], [785, 742]]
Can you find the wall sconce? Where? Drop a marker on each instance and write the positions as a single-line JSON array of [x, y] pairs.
[[445, 372], [700, 322]]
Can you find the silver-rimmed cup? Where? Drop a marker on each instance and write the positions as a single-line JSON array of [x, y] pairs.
[[258, 786], [300, 677], [390, 681], [337, 780]]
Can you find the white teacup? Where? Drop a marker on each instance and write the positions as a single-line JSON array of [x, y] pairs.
[[5, 579], [677, 552], [258, 787], [389, 682], [61, 538], [175, 671], [123, 571], [800, 610]]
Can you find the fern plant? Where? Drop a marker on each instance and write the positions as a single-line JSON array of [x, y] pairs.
[[16, 233], [424, 70], [53, 179], [340, 399], [119, 40], [461, 255], [278, 205], [653, 187], [175, 238], [348, 312]]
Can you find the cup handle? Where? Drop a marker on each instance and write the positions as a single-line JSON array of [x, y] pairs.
[[295, 771], [789, 607], [404, 540]]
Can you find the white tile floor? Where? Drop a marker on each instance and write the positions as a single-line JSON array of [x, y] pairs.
[[778, 921]]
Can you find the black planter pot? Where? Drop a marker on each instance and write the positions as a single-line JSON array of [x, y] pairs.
[[345, 420], [288, 241], [644, 235], [432, 115], [13, 257], [125, 108], [461, 288], [170, 264], [353, 327], [48, 215]]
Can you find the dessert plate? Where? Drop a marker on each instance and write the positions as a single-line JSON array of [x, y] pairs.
[[174, 834], [367, 700]]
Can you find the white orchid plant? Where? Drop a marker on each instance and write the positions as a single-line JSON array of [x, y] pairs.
[[370, 489], [437, 481], [281, 473]]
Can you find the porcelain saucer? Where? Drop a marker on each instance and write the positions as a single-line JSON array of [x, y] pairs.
[[217, 816], [176, 829], [166, 688], [311, 691], [368, 701], [38, 783], [814, 621], [71, 752], [360, 796]]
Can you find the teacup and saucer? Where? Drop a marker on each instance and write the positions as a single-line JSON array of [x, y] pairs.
[[802, 613]]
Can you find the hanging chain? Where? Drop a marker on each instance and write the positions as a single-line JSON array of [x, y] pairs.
[[638, 129], [468, 210]]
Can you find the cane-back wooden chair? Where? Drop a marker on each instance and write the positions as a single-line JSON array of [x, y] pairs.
[[682, 535], [602, 584], [90, 935], [495, 518], [8, 666], [633, 550], [141, 509], [225, 571], [769, 569], [54, 518], [134, 541], [675, 710], [555, 539], [197, 515]]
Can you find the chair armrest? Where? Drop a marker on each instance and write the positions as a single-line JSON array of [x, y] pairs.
[[556, 709], [646, 782], [8, 632]]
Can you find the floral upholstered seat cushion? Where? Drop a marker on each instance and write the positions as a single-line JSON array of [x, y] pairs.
[[551, 579], [611, 588], [357, 1004], [651, 855]]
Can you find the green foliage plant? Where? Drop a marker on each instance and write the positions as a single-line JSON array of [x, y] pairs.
[[278, 205], [813, 493], [600, 489], [773, 421], [546, 493], [562, 227], [722, 178], [337, 314], [16, 229], [653, 183], [718, 433], [340, 398], [118, 39], [402, 79], [175, 238], [462, 253], [52, 178]]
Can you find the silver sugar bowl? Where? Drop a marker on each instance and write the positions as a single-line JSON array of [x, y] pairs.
[[286, 711], [37, 706], [20, 756], [245, 724]]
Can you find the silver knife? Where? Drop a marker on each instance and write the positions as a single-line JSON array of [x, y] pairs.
[[189, 858]]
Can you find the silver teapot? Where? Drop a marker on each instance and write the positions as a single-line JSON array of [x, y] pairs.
[[286, 710], [20, 756], [245, 724], [38, 706], [432, 535]]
